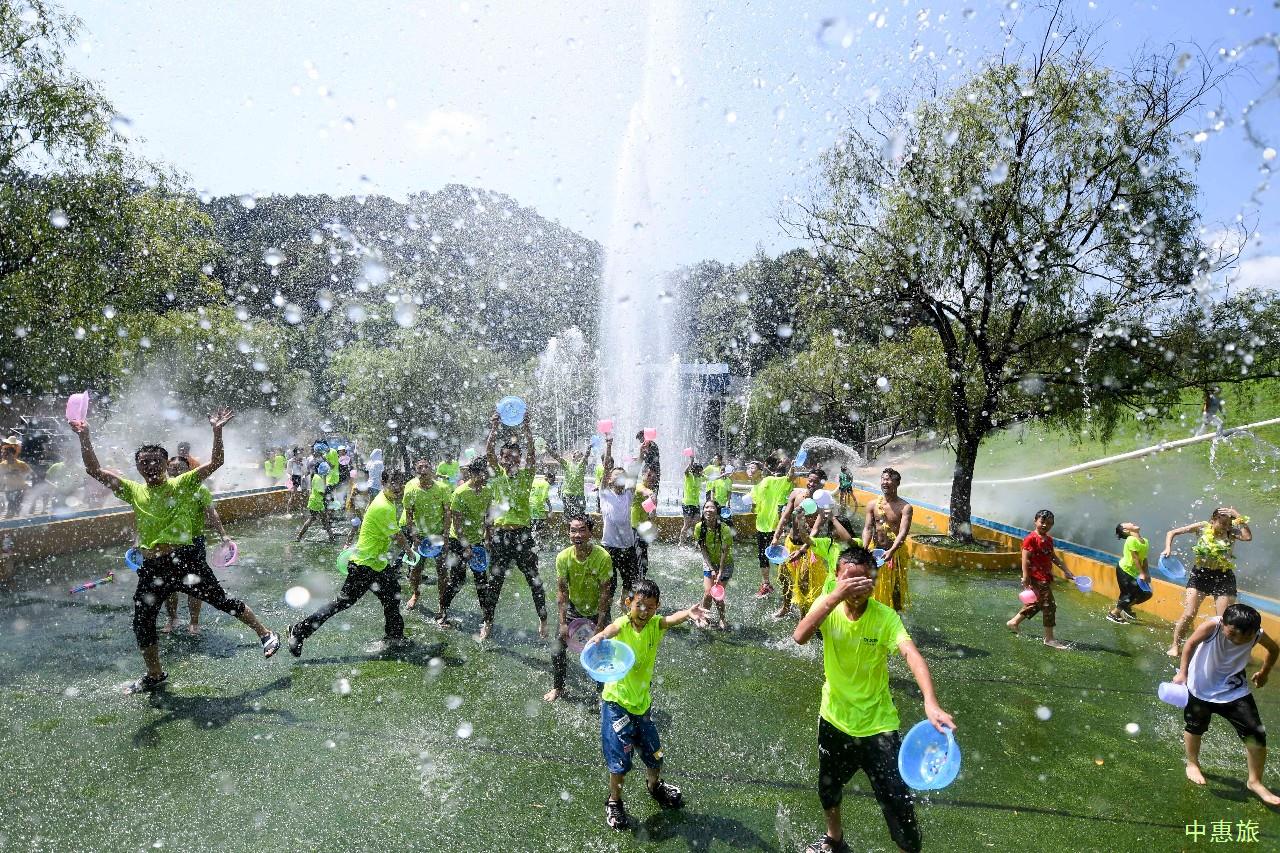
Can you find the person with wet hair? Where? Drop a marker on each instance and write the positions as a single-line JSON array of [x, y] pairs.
[[714, 536], [162, 507], [768, 497], [584, 590], [1212, 667], [857, 720], [1214, 573], [618, 536], [426, 499]]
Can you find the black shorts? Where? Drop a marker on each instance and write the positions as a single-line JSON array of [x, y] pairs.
[[690, 511], [296, 479], [1212, 582], [1241, 713], [840, 756]]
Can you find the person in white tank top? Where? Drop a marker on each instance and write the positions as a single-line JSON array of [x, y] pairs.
[[1213, 669]]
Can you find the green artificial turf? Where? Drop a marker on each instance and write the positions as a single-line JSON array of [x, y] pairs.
[[448, 745]]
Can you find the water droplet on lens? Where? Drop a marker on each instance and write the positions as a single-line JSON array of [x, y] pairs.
[[58, 218]]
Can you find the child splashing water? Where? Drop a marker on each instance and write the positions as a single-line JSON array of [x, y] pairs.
[[1212, 667], [626, 713], [203, 513], [714, 536], [1038, 560], [1214, 574]]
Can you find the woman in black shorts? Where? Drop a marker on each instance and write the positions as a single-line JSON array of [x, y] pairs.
[[1214, 575]]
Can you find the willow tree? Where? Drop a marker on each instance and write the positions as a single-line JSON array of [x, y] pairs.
[[1040, 219]]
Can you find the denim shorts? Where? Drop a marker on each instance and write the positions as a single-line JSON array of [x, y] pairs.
[[622, 732]]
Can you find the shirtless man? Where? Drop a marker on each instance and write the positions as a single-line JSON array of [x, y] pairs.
[[887, 525], [798, 496]]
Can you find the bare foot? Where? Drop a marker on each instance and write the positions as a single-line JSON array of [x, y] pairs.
[[1012, 625], [551, 695], [1173, 652], [1194, 774], [485, 629], [724, 626], [193, 629], [412, 602], [1261, 790], [169, 626], [1056, 644], [542, 629], [443, 623], [781, 613]]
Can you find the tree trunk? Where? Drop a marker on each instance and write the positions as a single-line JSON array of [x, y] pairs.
[[961, 508]]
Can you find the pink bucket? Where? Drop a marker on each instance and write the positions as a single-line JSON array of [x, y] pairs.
[[78, 406]]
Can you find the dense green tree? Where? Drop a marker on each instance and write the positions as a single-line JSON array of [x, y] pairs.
[[1041, 220]]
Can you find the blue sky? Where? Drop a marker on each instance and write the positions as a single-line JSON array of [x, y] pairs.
[[532, 99]]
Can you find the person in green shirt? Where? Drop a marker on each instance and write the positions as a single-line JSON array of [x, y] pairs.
[[768, 497], [426, 499], [858, 723], [467, 521], [714, 536], [584, 588], [691, 499], [162, 508], [1131, 568], [719, 484], [574, 491], [626, 712], [316, 509], [540, 505], [198, 521], [370, 567], [512, 529]]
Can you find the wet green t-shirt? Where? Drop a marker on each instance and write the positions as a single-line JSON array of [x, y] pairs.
[[204, 500], [715, 542], [163, 512], [691, 483], [381, 521], [585, 578], [575, 476], [1135, 552], [470, 509], [334, 474], [315, 501], [855, 653], [511, 497], [538, 497], [769, 495], [632, 690], [428, 505]]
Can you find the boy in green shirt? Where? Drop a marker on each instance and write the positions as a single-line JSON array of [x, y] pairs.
[[368, 568], [467, 521], [426, 499], [626, 720], [203, 513], [1131, 568], [512, 529], [584, 588], [858, 723], [316, 509], [171, 562]]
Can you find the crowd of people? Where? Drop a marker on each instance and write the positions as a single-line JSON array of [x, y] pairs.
[[485, 515]]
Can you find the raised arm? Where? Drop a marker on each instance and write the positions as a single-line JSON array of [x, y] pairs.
[[217, 421], [681, 616], [490, 440], [869, 525], [1194, 527], [106, 477], [606, 461], [1240, 527], [530, 452]]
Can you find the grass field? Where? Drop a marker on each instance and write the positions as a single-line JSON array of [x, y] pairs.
[[448, 746]]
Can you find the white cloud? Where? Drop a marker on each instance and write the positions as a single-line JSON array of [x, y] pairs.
[[449, 132], [1259, 273]]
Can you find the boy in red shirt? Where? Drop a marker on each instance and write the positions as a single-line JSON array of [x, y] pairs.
[[1038, 560]]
